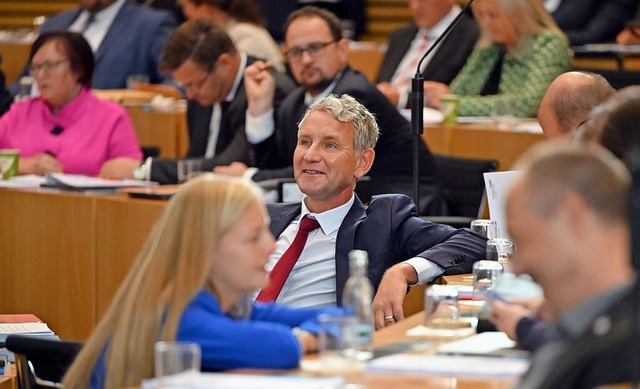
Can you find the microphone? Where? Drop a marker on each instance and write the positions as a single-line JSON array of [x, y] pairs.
[[57, 130], [417, 103]]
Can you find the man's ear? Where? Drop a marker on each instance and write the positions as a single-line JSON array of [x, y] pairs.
[[364, 162]]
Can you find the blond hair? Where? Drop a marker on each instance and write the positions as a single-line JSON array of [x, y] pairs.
[[168, 272], [530, 19]]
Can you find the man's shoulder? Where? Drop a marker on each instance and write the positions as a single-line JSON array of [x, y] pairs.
[[142, 14], [386, 201]]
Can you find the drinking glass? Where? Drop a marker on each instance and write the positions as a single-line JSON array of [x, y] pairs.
[[503, 113], [442, 312], [188, 169], [176, 363], [485, 275], [337, 338], [485, 227], [501, 250]]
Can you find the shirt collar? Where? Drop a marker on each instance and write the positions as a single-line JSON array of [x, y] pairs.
[[107, 14], [442, 25], [329, 220], [239, 74], [308, 99]]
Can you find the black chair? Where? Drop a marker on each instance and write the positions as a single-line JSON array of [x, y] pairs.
[[462, 181], [41, 362]]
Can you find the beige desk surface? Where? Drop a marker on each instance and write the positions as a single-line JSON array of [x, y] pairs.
[[479, 141]]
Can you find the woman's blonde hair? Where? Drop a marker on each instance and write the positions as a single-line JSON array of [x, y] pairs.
[[171, 268], [529, 17]]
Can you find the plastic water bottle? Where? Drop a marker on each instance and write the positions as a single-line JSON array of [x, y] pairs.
[[356, 300]]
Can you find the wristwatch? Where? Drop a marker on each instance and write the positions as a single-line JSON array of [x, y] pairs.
[[143, 172]]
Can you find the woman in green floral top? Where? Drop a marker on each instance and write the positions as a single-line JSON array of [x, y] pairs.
[[520, 52]]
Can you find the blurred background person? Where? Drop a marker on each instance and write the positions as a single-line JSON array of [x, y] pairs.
[[631, 33], [191, 282], [68, 129], [591, 21], [569, 100], [568, 213], [172, 6], [242, 20], [520, 52], [126, 39], [408, 44]]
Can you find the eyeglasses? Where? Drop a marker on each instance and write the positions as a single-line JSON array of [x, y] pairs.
[[46, 67], [195, 86], [313, 49]]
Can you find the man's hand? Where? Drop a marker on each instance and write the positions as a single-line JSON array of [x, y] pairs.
[[391, 92], [260, 86], [433, 92], [506, 316], [234, 169], [387, 304]]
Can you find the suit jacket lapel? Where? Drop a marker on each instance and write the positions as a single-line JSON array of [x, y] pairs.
[[282, 216], [119, 26], [345, 242]]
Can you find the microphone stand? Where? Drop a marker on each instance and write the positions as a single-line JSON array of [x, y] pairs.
[[417, 104]]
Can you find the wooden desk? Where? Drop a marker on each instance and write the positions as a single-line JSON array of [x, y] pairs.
[[479, 141], [168, 130], [54, 245], [9, 380], [15, 55]]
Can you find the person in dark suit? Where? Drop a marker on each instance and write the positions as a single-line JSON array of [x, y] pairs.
[[593, 21], [563, 196], [201, 56], [318, 55], [335, 148], [407, 45], [126, 39]]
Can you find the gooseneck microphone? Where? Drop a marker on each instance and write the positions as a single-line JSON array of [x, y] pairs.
[[57, 130], [417, 103]]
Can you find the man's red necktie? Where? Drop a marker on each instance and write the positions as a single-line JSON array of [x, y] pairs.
[[282, 269]]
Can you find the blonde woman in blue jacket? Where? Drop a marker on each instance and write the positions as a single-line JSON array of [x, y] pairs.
[[191, 283]]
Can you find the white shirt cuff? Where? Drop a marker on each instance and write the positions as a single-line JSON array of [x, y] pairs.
[[259, 128], [427, 270], [249, 173]]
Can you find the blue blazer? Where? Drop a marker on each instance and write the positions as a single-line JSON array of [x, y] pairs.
[[390, 231], [133, 44]]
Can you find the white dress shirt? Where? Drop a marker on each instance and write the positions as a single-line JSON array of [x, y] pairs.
[[97, 30], [216, 116], [312, 281]]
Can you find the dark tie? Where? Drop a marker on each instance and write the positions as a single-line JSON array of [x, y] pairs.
[[88, 22], [282, 269]]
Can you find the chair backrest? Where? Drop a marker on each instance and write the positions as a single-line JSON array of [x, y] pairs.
[[463, 183], [41, 362]]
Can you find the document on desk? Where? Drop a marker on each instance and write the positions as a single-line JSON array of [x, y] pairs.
[[246, 381], [497, 185], [38, 328], [450, 365], [491, 343], [80, 183]]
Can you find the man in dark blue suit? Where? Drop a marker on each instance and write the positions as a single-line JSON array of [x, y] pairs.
[[126, 38], [318, 56], [407, 45], [335, 148]]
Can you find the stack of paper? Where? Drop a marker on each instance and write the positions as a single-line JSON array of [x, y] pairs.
[[245, 381], [447, 365], [82, 183]]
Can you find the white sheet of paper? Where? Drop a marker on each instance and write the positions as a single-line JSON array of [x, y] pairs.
[[451, 365], [497, 185], [483, 343], [249, 381]]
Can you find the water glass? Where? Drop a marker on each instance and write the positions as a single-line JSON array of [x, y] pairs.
[[485, 275], [485, 227], [134, 81], [176, 363], [501, 250], [441, 308], [337, 342], [503, 113], [188, 169]]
